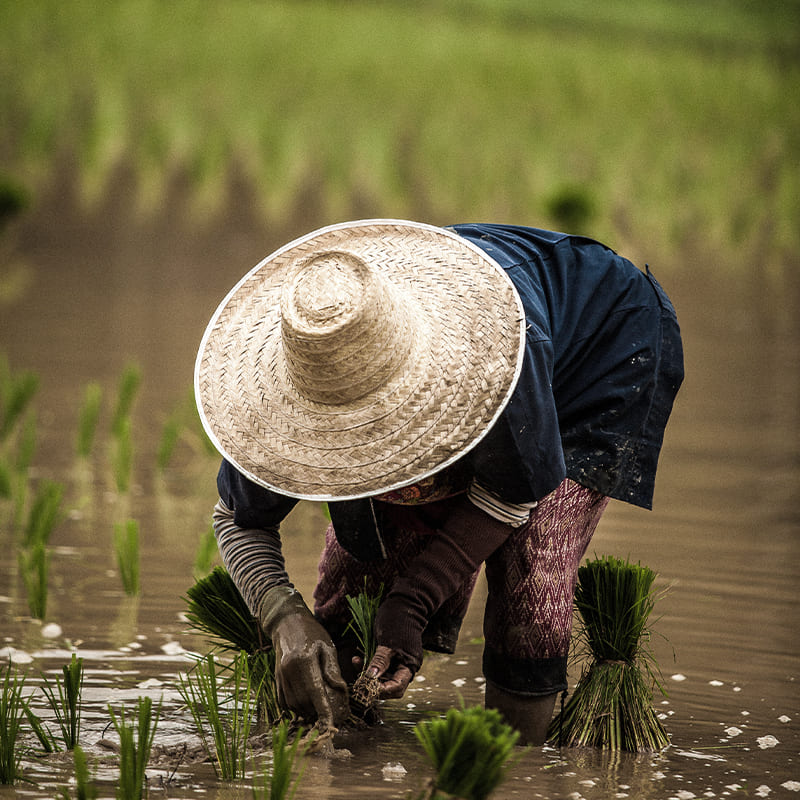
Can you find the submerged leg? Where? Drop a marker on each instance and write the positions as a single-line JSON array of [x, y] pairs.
[[528, 619], [529, 715]]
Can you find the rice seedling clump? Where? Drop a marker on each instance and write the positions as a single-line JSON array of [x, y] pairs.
[[612, 705], [470, 749]]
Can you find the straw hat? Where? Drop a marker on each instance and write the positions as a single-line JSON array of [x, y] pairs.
[[359, 358]]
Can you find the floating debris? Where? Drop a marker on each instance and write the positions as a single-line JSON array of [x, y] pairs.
[[765, 742], [393, 771], [51, 631], [15, 656], [172, 649]]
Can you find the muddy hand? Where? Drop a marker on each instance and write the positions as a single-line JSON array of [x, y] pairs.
[[307, 671], [393, 675], [306, 666]]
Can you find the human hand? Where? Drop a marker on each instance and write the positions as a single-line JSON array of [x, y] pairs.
[[307, 671], [393, 675], [306, 666]]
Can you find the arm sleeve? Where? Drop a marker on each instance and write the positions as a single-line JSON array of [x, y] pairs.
[[246, 523], [253, 506], [253, 557], [450, 556]]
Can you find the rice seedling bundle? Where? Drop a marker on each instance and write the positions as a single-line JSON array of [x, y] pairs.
[[127, 389], [16, 393], [612, 705], [226, 707], [470, 749], [278, 785], [122, 455], [34, 564], [216, 609], [170, 434], [85, 789], [44, 513]]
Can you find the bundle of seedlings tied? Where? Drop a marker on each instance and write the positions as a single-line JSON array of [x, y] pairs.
[[216, 609], [612, 705]]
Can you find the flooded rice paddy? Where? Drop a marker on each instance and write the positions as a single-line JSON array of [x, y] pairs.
[[724, 536]]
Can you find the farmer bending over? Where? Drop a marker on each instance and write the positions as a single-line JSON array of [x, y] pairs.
[[458, 396]]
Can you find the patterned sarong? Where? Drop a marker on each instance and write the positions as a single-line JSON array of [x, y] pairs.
[[531, 580]]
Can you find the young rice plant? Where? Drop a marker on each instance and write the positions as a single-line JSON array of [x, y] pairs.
[[226, 708], [12, 710], [136, 742], [469, 748], [611, 706]]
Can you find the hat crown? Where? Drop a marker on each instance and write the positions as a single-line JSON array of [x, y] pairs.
[[344, 330]]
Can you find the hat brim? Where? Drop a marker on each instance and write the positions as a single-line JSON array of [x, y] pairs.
[[465, 361]]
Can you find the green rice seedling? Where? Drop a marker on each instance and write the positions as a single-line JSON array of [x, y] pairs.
[[41, 731], [136, 742], [216, 609], [364, 609], [26, 444], [278, 784], [129, 383], [34, 564], [122, 455], [85, 789], [364, 694], [612, 705], [65, 700], [226, 708], [12, 710], [126, 550], [20, 463], [206, 552], [470, 749], [88, 419], [170, 435], [16, 393], [44, 513]]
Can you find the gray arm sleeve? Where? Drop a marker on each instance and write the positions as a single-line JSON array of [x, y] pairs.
[[253, 558]]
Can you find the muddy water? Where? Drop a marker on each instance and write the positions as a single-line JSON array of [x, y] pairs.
[[723, 537]]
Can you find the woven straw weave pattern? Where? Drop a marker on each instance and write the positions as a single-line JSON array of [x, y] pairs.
[[359, 359]]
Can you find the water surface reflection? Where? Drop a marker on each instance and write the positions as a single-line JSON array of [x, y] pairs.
[[723, 536]]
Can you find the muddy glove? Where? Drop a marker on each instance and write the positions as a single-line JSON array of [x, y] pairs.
[[463, 542], [306, 667]]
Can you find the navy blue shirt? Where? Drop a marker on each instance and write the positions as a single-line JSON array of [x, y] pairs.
[[603, 363]]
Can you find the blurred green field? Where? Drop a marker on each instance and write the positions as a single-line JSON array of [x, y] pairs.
[[675, 124]]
